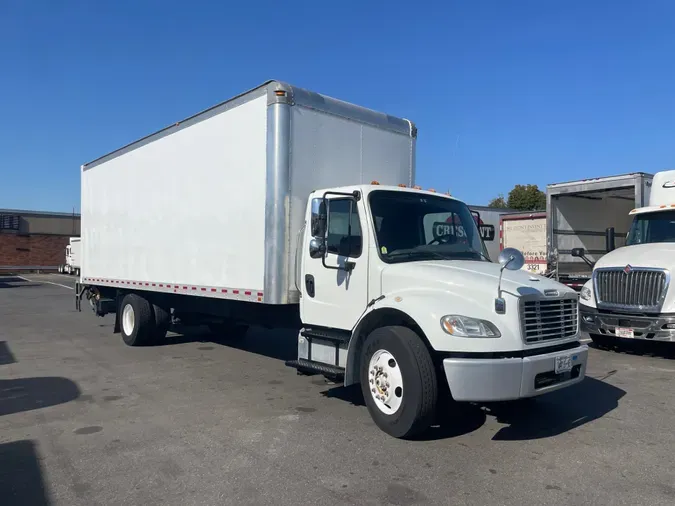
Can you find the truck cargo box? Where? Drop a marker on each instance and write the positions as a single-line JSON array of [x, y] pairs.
[[212, 205], [580, 212]]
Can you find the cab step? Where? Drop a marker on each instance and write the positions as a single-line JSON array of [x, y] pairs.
[[311, 367]]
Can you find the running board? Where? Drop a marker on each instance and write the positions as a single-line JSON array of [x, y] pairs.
[[312, 367]]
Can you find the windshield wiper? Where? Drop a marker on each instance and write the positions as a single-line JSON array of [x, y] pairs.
[[417, 253]]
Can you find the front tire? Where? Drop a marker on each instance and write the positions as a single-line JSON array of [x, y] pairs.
[[137, 322], [398, 381]]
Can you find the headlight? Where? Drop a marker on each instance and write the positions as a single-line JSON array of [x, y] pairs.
[[585, 293], [463, 326]]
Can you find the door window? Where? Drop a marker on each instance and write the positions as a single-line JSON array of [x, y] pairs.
[[344, 228]]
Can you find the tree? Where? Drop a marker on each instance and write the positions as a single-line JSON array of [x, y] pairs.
[[499, 202], [526, 198]]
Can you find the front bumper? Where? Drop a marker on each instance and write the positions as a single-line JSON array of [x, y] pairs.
[[502, 379], [649, 328]]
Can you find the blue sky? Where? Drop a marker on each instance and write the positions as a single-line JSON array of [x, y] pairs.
[[503, 92]]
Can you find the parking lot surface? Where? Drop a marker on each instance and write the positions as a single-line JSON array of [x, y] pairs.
[[86, 420]]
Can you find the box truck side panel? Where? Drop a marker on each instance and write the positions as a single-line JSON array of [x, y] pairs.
[[332, 150], [187, 207], [527, 234]]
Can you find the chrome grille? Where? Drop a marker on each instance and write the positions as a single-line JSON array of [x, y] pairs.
[[631, 288], [545, 320]]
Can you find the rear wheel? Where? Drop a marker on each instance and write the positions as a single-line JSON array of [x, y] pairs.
[[137, 323], [398, 381]]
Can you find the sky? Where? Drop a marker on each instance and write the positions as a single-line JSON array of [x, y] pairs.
[[502, 92]]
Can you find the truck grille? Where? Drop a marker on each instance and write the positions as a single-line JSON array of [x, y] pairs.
[[545, 320], [631, 288]]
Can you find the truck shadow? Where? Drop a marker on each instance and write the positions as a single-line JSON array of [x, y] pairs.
[[528, 419], [655, 349], [557, 412], [21, 475], [27, 394], [278, 344]]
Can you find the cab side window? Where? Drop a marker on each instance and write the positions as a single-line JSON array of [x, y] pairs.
[[344, 228]]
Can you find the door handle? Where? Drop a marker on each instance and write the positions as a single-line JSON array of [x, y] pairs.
[[309, 284]]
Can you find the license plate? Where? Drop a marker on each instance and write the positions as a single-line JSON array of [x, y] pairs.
[[623, 332], [564, 363]]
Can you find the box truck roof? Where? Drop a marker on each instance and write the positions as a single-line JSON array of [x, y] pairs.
[[277, 92]]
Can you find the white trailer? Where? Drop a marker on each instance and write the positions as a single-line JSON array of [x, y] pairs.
[[581, 212], [527, 233], [73, 256], [286, 207]]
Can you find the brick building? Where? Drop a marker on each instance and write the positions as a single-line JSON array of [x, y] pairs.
[[35, 238]]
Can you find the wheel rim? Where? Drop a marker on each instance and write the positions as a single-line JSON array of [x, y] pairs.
[[386, 382], [128, 319]]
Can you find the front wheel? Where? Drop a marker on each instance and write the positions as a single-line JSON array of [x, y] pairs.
[[398, 381]]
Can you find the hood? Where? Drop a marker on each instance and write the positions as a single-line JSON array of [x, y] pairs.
[[457, 275], [659, 255]]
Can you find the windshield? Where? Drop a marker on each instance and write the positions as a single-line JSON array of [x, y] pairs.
[[652, 227], [411, 226]]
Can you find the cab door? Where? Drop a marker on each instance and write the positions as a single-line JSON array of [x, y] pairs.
[[335, 276]]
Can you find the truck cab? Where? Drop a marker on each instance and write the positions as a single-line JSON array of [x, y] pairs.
[[630, 294], [398, 294]]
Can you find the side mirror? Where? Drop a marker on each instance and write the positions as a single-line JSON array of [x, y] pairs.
[[319, 218], [317, 248], [511, 259], [578, 252], [610, 244]]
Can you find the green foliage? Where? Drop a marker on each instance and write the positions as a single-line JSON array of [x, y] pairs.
[[498, 202], [521, 198], [526, 198]]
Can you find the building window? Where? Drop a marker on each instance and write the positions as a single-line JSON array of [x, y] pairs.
[[9, 222]]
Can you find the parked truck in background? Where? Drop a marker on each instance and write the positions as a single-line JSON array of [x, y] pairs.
[[295, 209], [579, 215], [526, 232], [73, 256], [630, 294]]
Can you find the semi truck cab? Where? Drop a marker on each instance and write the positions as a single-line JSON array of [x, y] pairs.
[[395, 299], [630, 294]]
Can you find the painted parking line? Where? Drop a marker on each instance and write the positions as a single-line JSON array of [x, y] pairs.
[[43, 281]]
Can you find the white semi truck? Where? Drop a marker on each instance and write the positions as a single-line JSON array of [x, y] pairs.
[[73, 257], [630, 293], [296, 209]]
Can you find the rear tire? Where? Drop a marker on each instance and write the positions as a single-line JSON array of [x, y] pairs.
[[399, 365], [137, 323]]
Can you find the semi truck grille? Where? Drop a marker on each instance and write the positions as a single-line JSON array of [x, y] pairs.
[[545, 320], [631, 288]]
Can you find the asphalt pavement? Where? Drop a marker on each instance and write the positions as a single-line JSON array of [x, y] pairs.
[[86, 420]]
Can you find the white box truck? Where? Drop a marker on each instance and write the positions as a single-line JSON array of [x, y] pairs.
[[579, 215], [630, 294], [286, 207], [73, 256]]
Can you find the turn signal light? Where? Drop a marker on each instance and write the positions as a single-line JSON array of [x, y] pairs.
[[401, 185], [374, 182], [416, 187]]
